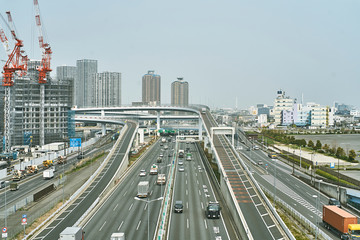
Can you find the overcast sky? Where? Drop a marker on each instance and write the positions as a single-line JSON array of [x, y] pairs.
[[225, 49]]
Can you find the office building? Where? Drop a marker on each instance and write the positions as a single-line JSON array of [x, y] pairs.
[[151, 87], [282, 103], [180, 93], [107, 89], [85, 83], [67, 73]]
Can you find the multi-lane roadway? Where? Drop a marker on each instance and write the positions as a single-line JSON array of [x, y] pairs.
[[86, 199], [193, 188]]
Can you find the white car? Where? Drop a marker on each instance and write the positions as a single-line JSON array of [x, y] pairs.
[[142, 173], [181, 169]]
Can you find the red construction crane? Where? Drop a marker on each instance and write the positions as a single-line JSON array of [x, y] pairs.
[[44, 67], [16, 61]]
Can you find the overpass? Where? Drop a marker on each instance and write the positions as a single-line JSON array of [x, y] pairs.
[[250, 209], [109, 114]]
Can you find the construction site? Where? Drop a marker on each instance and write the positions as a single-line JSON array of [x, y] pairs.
[[36, 108]]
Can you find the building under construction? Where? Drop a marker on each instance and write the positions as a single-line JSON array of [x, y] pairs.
[[25, 120]]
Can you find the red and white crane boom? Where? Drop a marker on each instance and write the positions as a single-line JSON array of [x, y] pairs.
[[44, 67]]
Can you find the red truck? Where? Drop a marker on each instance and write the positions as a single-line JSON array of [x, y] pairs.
[[338, 219]]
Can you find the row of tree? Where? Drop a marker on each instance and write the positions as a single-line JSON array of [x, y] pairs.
[[338, 152]]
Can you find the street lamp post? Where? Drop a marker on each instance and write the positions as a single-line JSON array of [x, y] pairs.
[[148, 206], [338, 179], [275, 184], [6, 183], [316, 207], [300, 158]]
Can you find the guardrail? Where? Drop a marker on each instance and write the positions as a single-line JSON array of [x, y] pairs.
[[230, 191], [165, 206], [295, 214], [80, 189], [272, 209]]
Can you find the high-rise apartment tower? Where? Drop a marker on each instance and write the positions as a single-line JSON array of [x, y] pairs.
[[180, 93], [85, 82], [108, 89], [151, 86]]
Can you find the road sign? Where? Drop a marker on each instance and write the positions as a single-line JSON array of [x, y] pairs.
[[4, 235], [332, 165], [4, 230], [24, 216], [24, 221], [75, 142]]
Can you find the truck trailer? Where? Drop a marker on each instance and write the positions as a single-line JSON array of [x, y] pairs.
[[338, 220], [143, 189], [117, 236], [48, 173], [72, 233], [161, 180], [154, 170]]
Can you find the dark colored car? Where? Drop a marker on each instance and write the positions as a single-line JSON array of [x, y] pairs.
[[335, 202], [178, 207]]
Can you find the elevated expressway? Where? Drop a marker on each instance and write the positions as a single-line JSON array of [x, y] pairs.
[[253, 210], [87, 196]]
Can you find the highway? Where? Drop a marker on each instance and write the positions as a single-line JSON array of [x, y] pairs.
[[33, 183], [75, 210], [193, 188], [289, 189], [247, 197], [121, 212]]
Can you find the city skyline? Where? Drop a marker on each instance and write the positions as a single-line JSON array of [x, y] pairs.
[[233, 50]]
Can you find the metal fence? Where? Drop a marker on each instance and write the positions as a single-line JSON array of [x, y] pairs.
[[299, 217]]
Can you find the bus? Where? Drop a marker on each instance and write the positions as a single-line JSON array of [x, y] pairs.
[[272, 155]]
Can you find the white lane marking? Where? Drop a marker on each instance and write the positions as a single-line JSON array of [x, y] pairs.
[[125, 193], [186, 192], [115, 207], [205, 223], [145, 206], [120, 225], [131, 206], [132, 182], [199, 193], [202, 205], [186, 182], [197, 182], [187, 223], [187, 204], [102, 226], [137, 228]]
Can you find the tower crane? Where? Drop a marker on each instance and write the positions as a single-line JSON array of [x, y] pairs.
[[4, 41], [43, 69], [13, 64]]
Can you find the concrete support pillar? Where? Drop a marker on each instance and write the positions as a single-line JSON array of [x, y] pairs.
[[141, 135], [158, 123], [200, 129], [103, 126], [103, 129], [137, 139]]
